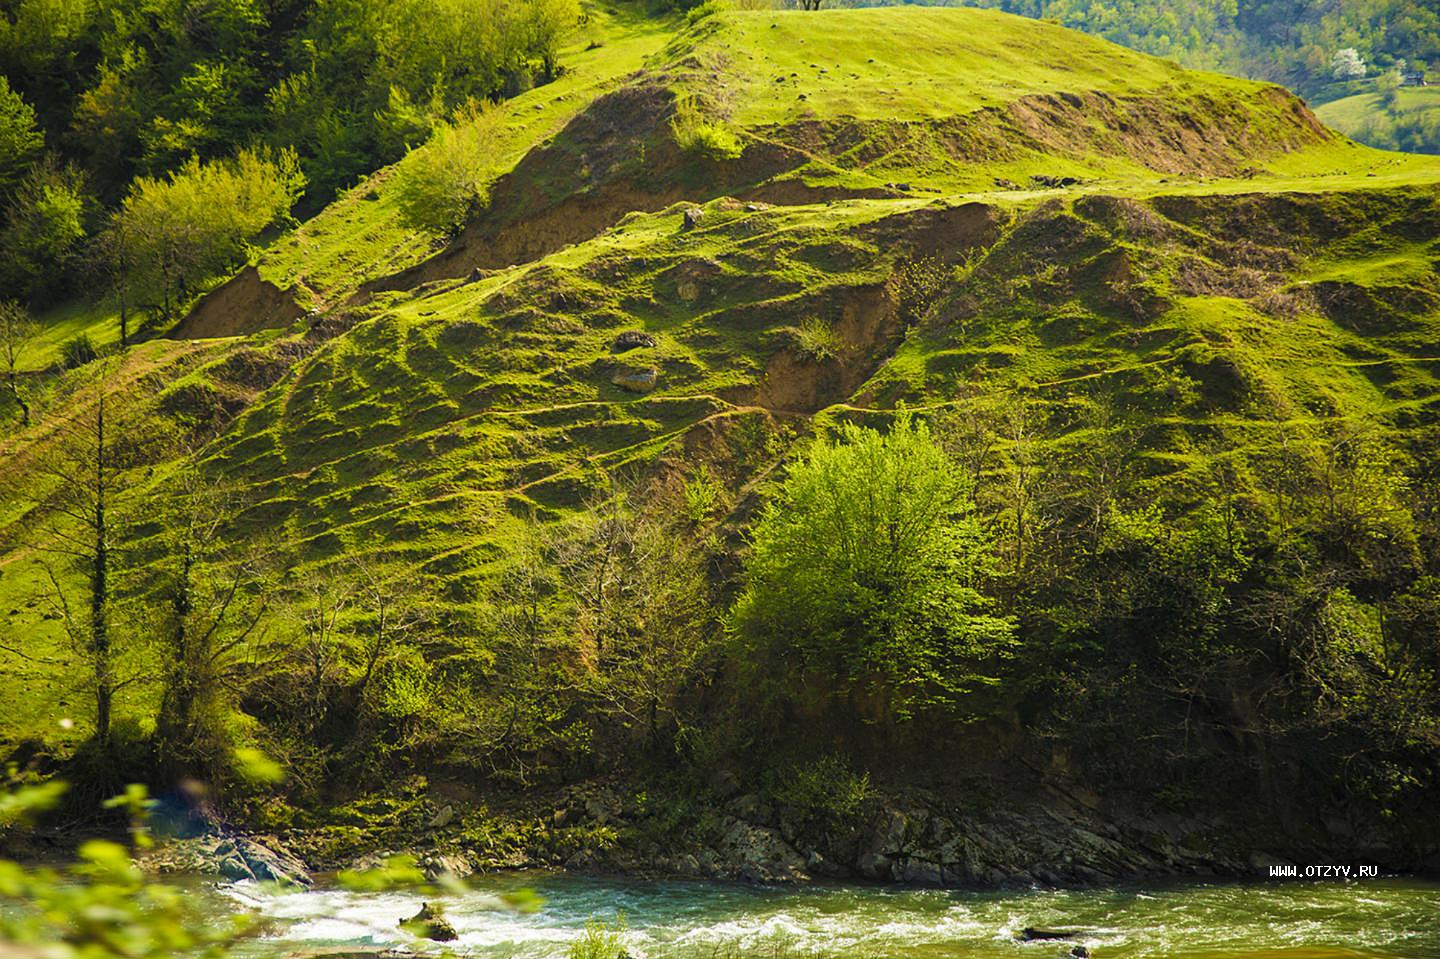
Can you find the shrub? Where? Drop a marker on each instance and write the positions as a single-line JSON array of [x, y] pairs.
[[702, 495], [826, 790], [817, 340], [863, 577], [696, 134], [78, 350], [601, 940], [446, 181]]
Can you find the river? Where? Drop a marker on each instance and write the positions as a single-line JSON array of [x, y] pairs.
[[1391, 918]]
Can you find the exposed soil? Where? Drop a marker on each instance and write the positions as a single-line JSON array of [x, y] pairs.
[[246, 303]]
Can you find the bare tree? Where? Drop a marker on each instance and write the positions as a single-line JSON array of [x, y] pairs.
[[87, 465], [17, 329], [639, 594], [216, 604], [115, 256]]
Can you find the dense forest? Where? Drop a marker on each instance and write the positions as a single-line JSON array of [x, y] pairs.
[[162, 109]]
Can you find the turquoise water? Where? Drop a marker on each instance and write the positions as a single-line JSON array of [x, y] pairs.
[[1293, 920]]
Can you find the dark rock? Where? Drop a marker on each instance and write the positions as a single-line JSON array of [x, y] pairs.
[[725, 783], [1054, 182], [1080, 952], [1032, 934], [272, 863], [691, 218], [429, 924], [632, 340]]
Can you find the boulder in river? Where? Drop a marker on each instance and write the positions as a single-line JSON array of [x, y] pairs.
[[429, 924], [1032, 934], [241, 858]]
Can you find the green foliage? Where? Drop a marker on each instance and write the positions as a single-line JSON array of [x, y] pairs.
[[77, 351], [103, 906], [864, 576], [702, 496], [827, 791], [817, 340], [20, 138], [44, 222], [171, 234], [446, 181], [601, 940], [696, 133], [918, 285]]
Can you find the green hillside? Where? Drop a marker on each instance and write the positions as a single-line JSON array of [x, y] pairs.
[[1412, 122], [1179, 337]]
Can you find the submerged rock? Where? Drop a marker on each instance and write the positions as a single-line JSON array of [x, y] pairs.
[[1032, 934]]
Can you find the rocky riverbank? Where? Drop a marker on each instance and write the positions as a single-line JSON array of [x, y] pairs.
[[914, 836]]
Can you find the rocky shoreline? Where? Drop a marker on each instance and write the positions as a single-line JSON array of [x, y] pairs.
[[916, 837]]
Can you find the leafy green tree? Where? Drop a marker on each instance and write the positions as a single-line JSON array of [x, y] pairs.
[[447, 180], [171, 234], [20, 138], [44, 226], [865, 572]]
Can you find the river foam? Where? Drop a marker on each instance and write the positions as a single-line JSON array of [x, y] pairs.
[[1382, 919]]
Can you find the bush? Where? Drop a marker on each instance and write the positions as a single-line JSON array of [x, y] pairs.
[[446, 181], [817, 340], [601, 940], [702, 496], [696, 134], [862, 581], [827, 790], [78, 350]]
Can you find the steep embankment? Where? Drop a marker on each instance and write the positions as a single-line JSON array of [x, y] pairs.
[[957, 210]]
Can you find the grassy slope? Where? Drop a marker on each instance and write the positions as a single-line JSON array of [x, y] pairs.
[[1365, 112], [359, 236], [448, 410]]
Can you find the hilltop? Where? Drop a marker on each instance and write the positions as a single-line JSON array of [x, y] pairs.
[[1178, 334]]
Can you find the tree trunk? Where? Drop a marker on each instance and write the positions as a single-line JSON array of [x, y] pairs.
[[100, 591]]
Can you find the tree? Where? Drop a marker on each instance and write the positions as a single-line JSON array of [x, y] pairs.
[[20, 138], [17, 329], [170, 234], [87, 464], [44, 225], [114, 257], [1347, 64], [864, 576], [641, 613], [209, 614], [442, 184]]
